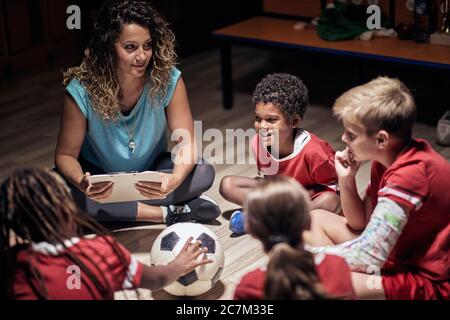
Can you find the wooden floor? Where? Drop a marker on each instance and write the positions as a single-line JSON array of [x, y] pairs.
[[29, 121]]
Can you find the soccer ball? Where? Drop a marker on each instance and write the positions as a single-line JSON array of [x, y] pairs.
[[169, 243]]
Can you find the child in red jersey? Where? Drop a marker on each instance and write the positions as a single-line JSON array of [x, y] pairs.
[[282, 147], [405, 213], [44, 253], [278, 213]]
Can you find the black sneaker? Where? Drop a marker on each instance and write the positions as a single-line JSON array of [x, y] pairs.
[[198, 209]]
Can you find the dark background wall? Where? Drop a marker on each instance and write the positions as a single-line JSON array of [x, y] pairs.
[[34, 33]]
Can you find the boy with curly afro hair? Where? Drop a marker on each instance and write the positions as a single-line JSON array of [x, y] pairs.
[[282, 147]]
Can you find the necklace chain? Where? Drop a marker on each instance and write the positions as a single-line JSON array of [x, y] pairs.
[[131, 142]]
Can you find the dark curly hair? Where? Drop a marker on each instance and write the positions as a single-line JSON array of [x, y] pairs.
[[97, 71], [285, 91]]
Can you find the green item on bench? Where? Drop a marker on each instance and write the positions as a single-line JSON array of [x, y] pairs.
[[344, 22]]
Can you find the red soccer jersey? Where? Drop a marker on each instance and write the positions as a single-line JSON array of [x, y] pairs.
[[418, 266], [333, 272], [57, 270], [311, 163]]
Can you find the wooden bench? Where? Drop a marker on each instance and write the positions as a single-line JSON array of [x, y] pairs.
[[272, 32]]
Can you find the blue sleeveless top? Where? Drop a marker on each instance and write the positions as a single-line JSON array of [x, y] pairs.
[[106, 141]]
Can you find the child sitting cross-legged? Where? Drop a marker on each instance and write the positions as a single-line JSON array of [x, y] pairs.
[[282, 147]]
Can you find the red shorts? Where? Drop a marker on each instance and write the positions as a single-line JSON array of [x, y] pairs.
[[412, 286]]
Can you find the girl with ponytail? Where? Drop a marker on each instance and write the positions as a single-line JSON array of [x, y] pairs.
[[278, 213]]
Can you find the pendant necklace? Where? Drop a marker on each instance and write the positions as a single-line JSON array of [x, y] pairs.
[[131, 143]]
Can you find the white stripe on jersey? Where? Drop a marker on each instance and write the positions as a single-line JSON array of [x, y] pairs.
[[333, 186], [300, 141], [413, 200], [131, 273], [47, 248]]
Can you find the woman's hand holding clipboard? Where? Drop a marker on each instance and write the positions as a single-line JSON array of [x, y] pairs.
[[121, 186], [158, 190]]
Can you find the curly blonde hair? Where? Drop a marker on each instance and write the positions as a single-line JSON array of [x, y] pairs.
[[97, 72]]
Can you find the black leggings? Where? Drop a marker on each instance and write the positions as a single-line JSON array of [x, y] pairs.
[[198, 181]]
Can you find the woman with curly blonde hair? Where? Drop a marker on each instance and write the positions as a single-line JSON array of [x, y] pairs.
[[118, 104]]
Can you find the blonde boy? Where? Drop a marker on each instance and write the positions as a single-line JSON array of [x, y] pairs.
[[400, 229]]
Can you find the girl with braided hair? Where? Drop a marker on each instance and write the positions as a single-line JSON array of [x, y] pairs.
[[43, 240], [278, 213]]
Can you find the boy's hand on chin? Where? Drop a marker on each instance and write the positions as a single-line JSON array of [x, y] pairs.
[[346, 165]]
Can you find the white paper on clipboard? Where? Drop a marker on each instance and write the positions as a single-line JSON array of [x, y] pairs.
[[123, 188]]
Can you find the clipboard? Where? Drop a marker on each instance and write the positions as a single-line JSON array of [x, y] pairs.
[[123, 188]]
